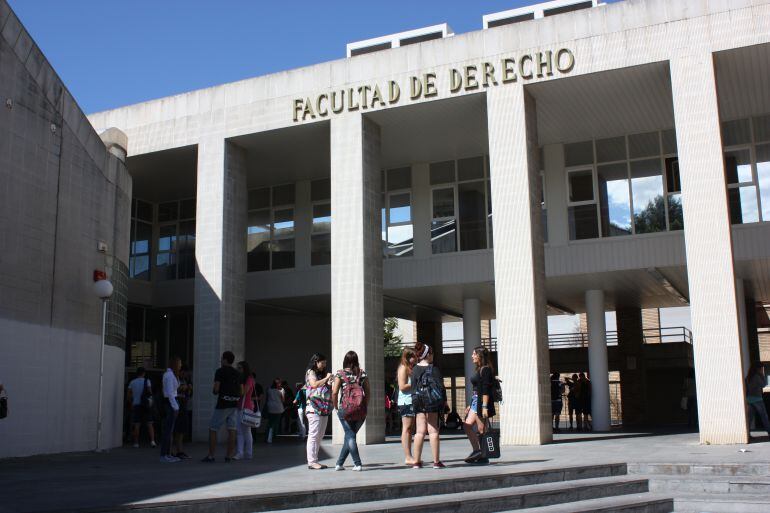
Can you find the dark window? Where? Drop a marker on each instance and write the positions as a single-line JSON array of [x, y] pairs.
[[567, 8], [421, 38], [511, 20], [370, 49]]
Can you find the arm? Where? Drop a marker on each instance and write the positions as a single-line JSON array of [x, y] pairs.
[[314, 382], [335, 391], [486, 390], [366, 391], [169, 391], [215, 389], [403, 380]]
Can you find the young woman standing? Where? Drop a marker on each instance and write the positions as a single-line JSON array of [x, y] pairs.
[[482, 407], [426, 376], [274, 407], [349, 376], [404, 402], [318, 406], [244, 442]]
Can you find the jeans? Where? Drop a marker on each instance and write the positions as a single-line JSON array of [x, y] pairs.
[[244, 442], [349, 446], [758, 410], [168, 428], [316, 430]]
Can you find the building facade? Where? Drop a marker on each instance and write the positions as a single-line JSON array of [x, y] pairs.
[[611, 158]]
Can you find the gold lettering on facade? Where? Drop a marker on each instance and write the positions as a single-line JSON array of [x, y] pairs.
[[322, 111], [430, 85], [544, 62], [338, 108], [297, 108], [455, 80], [489, 75], [565, 67], [394, 91], [377, 97], [362, 91], [526, 75], [470, 78], [415, 88], [352, 105], [308, 110], [509, 71]]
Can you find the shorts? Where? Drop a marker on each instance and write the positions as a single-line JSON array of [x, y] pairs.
[[556, 407], [475, 403], [405, 410], [181, 423], [140, 414], [227, 416]]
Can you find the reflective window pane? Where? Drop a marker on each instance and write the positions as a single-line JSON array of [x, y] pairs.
[[614, 198], [283, 225], [167, 238], [738, 166], [675, 216], [762, 128], [583, 223], [472, 215], [321, 249], [168, 211], [470, 169], [643, 145], [282, 254], [400, 208], [322, 218], [673, 181], [283, 195], [140, 267], [579, 154], [400, 178], [647, 195], [258, 241], [610, 150], [736, 132], [443, 236], [143, 235], [763, 178], [320, 189], [144, 211], [259, 198], [743, 205], [669, 141], [166, 266], [400, 241], [581, 186], [442, 172], [443, 203]]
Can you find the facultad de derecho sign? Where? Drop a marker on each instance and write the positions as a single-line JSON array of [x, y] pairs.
[[488, 74]]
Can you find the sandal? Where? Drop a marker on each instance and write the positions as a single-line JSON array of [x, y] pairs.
[[417, 464], [317, 466]]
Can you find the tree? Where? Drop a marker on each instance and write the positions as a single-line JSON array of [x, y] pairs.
[[652, 218], [392, 341]]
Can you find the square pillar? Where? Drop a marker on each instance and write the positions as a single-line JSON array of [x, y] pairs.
[[220, 271], [708, 242], [633, 368], [520, 300], [356, 273]]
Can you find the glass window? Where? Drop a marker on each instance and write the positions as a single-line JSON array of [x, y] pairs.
[[472, 215], [581, 185], [186, 250], [144, 211], [400, 208], [470, 169], [762, 128], [738, 166], [743, 204], [321, 249], [322, 218], [165, 260], [614, 198], [259, 198], [320, 189], [611, 150], [669, 141], [763, 178], [736, 132], [443, 227], [583, 222], [187, 209], [443, 203], [673, 182], [579, 154], [400, 240], [400, 178], [168, 212], [139, 261], [675, 215], [258, 240], [643, 145], [647, 195], [283, 195], [282, 250], [442, 172]]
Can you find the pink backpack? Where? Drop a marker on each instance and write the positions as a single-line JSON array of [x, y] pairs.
[[353, 402]]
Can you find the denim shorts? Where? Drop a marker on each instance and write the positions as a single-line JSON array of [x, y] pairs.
[[405, 410], [227, 416], [475, 403]]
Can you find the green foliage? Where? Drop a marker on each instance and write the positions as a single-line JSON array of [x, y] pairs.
[[392, 341]]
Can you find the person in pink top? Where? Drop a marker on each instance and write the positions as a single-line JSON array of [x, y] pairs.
[[244, 441]]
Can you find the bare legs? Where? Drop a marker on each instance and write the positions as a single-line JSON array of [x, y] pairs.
[[427, 423], [472, 420], [407, 426]]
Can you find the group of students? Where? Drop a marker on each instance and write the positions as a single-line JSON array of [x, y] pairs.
[[578, 393]]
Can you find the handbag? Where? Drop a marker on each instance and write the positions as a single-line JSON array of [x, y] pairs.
[[320, 401], [251, 418], [3, 406], [489, 441]]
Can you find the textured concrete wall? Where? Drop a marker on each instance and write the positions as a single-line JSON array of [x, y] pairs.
[[633, 367], [61, 193]]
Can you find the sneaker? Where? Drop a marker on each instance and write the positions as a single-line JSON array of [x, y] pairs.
[[182, 456], [339, 467], [473, 457], [438, 464], [236, 457], [358, 468], [208, 459], [417, 464], [136, 446], [169, 459], [153, 444]]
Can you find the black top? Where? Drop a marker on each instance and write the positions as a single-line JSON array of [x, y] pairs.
[[419, 370], [229, 387], [483, 382]]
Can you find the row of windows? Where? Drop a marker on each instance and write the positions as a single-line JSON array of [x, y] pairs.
[[747, 168]]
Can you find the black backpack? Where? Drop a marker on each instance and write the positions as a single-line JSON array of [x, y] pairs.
[[497, 390], [429, 393]]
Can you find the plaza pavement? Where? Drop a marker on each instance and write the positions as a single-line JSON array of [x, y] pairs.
[[77, 481]]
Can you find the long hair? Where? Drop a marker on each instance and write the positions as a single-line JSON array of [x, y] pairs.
[[485, 358], [313, 363], [351, 362], [754, 369], [245, 369], [421, 350], [407, 355]]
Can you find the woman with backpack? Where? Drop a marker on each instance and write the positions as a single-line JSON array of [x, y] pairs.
[[428, 398], [482, 406], [352, 389], [404, 402], [318, 407]]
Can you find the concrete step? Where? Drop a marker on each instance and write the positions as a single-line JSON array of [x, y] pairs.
[[701, 469], [493, 500], [633, 503], [733, 503], [694, 484]]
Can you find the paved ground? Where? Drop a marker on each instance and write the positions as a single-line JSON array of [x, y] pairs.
[[69, 482]]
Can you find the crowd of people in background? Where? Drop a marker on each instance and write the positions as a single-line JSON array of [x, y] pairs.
[[577, 391]]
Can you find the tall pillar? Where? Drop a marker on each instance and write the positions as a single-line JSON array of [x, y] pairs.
[[220, 255], [421, 214], [743, 326], [597, 360], [356, 272], [522, 330], [633, 368], [708, 243], [471, 339], [556, 195]]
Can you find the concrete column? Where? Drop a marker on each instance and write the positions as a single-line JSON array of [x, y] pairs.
[[597, 360], [471, 339], [356, 272], [742, 325], [220, 254], [303, 224], [708, 242], [421, 214], [523, 358], [633, 368], [430, 332], [556, 194]]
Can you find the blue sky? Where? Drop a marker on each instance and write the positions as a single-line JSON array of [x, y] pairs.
[[112, 53]]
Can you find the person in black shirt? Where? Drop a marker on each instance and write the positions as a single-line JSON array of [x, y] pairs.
[[426, 409], [482, 407], [228, 388]]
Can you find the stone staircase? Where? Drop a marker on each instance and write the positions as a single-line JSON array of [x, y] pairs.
[[713, 488]]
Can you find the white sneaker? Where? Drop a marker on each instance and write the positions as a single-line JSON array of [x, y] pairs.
[[153, 444], [358, 468], [339, 467], [169, 459], [238, 457]]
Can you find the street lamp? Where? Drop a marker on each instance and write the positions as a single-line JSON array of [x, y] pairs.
[[103, 290]]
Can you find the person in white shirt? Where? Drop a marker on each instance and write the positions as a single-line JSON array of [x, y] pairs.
[[140, 397], [170, 407]]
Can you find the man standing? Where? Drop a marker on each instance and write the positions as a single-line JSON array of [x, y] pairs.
[[171, 408], [557, 403], [228, 388], [140, 397]]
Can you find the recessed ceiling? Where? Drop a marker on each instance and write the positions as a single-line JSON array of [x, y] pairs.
[[164, 175], [743, 81]]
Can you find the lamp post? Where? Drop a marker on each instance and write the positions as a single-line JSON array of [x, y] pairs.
[[103, 290]]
